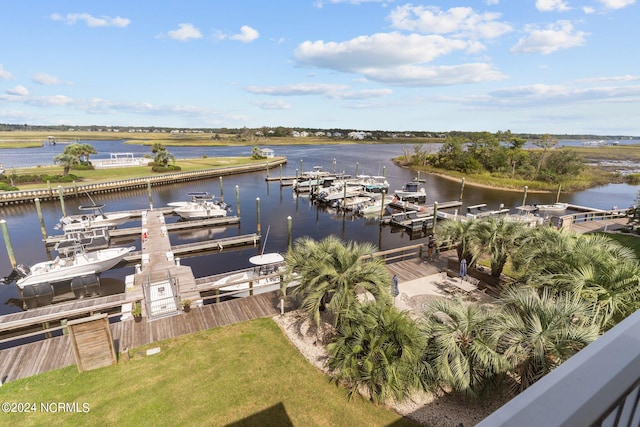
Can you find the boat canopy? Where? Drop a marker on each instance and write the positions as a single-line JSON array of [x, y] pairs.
[[265, 259]]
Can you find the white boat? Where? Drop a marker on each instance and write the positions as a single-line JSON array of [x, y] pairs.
[[263, 276], [95, 217], [553, 207], [79, 263], [375, 206], [410, 191], [201, 206]]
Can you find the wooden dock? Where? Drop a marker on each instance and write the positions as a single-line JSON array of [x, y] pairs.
[[176, 226], [55, 353]]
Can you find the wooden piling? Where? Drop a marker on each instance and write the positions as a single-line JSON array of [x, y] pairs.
[[289, 237], [61, 195], [524, 198], [258, 215], [461, 189], [238, 201], [221, 190], [149, 194], [43, 229], [7, 242]]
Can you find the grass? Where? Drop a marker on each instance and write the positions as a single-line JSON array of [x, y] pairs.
[[114, 174], [215, 377], [631, 241]]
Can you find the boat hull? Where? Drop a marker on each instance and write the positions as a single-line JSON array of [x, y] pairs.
[[62, 269]]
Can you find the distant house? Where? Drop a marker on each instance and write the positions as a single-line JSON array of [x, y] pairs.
[[267, 152]]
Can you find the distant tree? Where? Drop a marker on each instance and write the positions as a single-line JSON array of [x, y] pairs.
[[163, 157], [545, 142]]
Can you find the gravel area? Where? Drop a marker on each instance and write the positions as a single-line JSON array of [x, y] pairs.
[[426, 409]]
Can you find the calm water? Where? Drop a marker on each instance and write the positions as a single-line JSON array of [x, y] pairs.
[[276, 204]]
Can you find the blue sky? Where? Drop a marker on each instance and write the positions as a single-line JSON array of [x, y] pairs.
[[543, 66]]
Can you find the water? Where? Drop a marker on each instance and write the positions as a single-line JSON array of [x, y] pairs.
[[276, 204]]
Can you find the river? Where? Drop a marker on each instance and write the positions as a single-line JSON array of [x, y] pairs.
[[276, 204]]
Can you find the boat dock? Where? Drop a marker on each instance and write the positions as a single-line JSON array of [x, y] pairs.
[[176, 226]]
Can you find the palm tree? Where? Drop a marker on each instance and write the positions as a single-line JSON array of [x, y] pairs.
[[602, 272], [67, 161], [498, 237], [86, 150], [460, 233], [460, 351], [164, 157], [332, 274], [378, 349], [537, 332]]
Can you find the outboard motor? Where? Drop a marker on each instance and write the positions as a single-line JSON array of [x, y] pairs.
[[18, 272], [37, 295], [83, 286]]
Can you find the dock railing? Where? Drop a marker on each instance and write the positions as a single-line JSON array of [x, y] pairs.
[[567, 220]]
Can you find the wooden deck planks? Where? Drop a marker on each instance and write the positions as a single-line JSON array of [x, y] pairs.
[[55, 353]]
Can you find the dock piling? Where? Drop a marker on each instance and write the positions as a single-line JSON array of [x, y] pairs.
[[61, 195], [289, 238], [43, 230], [222, 190], [7, 242], [238, 201], [258, 214], [524, 198], [461, 189], [149, 194]]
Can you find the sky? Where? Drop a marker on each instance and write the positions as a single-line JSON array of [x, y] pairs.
[[528, 66]]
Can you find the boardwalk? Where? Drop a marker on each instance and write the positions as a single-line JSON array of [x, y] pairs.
[[55, 353]]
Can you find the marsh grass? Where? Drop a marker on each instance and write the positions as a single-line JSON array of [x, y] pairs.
[[214, 378]]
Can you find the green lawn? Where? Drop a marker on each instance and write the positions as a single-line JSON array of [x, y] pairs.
[[114, 174], [247, 374]]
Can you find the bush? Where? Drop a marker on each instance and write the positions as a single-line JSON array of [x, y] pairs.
[[5, 186], [162, 169]]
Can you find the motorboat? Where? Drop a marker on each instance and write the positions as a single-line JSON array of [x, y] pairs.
[[78, 263], [375, 184], [94, 217], [411, 192], [375, 206], [262, 277], [553, 207], [201, 206]]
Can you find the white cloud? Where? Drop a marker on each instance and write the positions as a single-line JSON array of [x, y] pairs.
[[625, 78], [380, 50], [46, 79], [185, 32], [247, 34], [91, 21], [588, 10], [491, 2], [461, 21], [4, 74], [331, 91], [559, 35], [542, 94], [277, 104], [418, 76], [617, 4], [321, 3], [552, 5], [362, 94], [18, 90], [297, 89]]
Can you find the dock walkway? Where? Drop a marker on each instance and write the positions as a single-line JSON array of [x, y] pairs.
[[55, 353]]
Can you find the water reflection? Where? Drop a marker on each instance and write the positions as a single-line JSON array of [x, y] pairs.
[[276, 203]]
